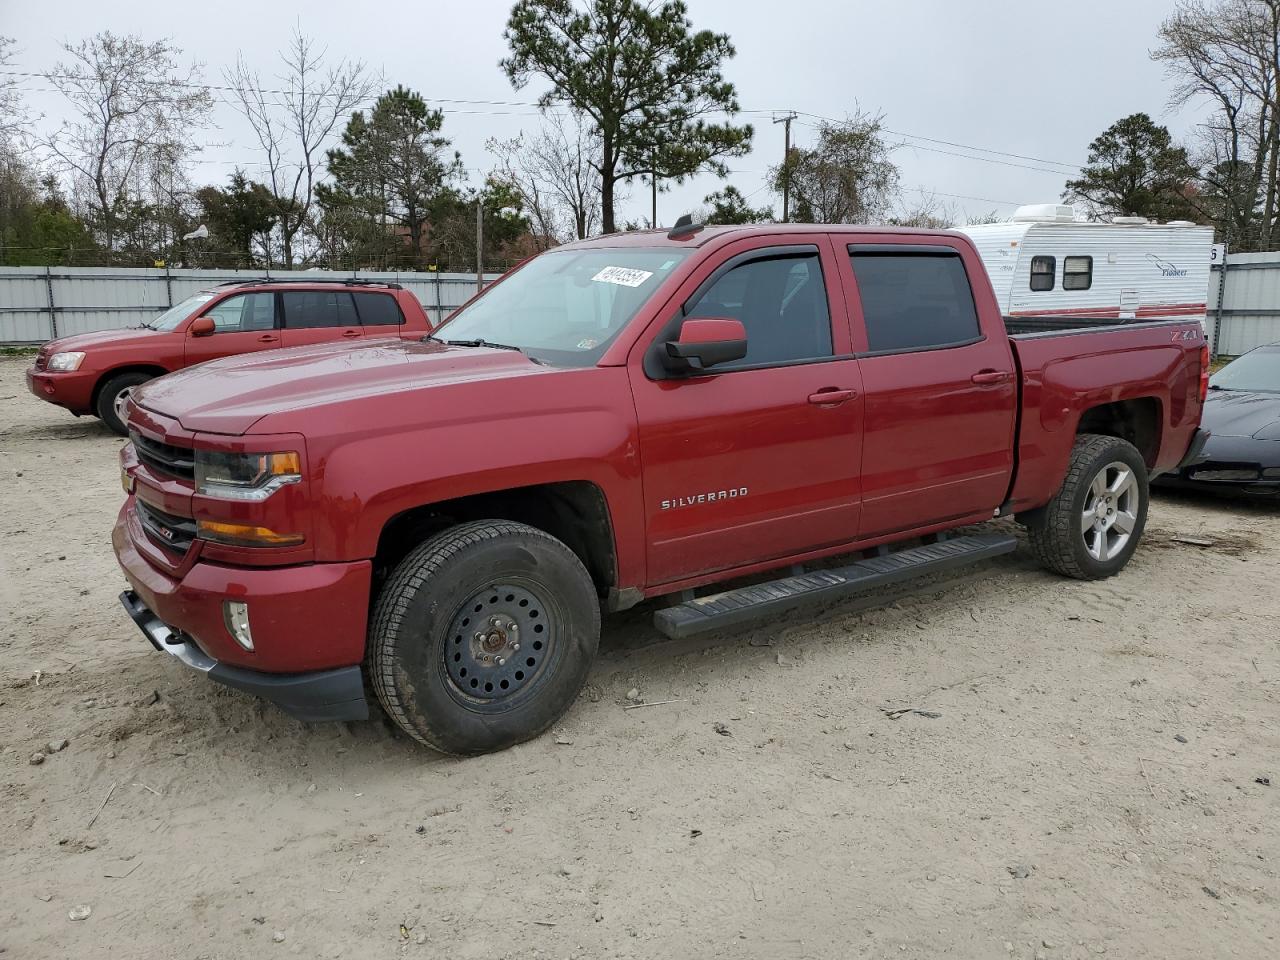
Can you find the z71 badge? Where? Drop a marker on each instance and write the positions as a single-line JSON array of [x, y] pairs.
[[694, 499]]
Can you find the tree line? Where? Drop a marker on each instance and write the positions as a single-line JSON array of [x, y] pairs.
[[350, 172]]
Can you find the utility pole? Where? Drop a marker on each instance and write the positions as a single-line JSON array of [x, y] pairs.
[[653, 183], [786, 157], [479, 245]]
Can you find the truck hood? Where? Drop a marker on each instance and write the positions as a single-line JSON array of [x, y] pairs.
[[1237, 413], [102, 338], [230, 395]]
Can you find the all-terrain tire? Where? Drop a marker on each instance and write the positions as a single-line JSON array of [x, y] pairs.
[[109, 395], [1059, 535], [471, 593]]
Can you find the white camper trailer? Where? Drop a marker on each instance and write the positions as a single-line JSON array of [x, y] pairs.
[[1046, 264]]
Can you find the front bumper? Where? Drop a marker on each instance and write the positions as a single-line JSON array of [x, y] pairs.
[[1218, 463], [316, 696], [70, 390], [308, 620]]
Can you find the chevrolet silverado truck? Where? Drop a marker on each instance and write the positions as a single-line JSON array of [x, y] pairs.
[[94, 373], [635, 416]]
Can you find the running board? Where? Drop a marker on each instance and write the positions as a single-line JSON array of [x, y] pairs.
[[748, 604]]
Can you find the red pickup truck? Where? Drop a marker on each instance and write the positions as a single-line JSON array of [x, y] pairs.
[[633, 416], [93, 373]]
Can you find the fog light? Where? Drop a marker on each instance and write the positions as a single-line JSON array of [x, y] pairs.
[[236, 616]]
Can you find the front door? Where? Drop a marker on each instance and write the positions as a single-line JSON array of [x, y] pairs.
[[318, 316], [244, 323], [759, 459], [941, 395]]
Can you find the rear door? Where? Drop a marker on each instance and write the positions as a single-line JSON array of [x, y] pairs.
[[243, 323], [379, 313], [940, 391], [318, 316], [759, 459]]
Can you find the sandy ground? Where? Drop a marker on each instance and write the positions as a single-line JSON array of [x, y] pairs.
[[1049, 810]]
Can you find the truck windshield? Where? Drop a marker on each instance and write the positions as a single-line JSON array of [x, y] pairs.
[[1256, 372], [565, 307], [175, 315]]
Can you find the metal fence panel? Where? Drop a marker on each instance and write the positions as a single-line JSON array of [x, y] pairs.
[[1249, 314], [38, 304]]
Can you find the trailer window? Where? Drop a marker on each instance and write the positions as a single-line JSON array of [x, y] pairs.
[[1042, 271], [915, 301], [1077, 273]]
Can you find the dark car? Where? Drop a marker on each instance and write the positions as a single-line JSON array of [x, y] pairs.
[[1242, 415]]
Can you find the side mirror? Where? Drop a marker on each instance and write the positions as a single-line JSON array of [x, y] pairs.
[[703, 343], [201, 327]]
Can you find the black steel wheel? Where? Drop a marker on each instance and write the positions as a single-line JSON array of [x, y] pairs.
[[483, 636]]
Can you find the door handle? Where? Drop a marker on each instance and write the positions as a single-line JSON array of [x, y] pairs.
[[267, 338], [351, 334], [830, 396], [986, 377]]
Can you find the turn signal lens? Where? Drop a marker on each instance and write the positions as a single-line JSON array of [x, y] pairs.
[[244, 535]]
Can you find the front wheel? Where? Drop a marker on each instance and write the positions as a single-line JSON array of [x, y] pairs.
[[1091, 528], [112, 399], [483, 636]]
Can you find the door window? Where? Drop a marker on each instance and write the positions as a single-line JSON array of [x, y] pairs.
[[782, 303], [378, 309], [915, 301], [244, 312], [308, 309]]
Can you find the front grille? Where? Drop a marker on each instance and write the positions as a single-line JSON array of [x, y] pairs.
[[163, 458], [173, 533], [42, 359]]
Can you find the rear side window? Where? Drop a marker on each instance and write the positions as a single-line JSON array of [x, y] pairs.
[[1042, 271], [1077, 273], [915, 301], [378, 309], [782, 303], [304, 309]]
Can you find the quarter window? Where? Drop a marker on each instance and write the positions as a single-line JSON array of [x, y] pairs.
[[1077, 273], [304, 309], [782, 303], [244, 312], [915, 301], [1042, 273], [378, 309]]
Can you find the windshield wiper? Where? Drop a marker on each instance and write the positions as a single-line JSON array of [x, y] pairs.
[[477, 342]]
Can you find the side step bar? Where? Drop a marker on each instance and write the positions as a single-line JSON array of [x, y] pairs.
[[749, 604]]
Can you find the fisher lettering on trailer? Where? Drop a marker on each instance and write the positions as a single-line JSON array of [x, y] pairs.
[[694, 499]]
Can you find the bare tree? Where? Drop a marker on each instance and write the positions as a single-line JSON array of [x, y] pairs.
[[293, 124], [13, 118], [133, 109], [848, 176], [1227, 53], [925, 210], [554, 173]]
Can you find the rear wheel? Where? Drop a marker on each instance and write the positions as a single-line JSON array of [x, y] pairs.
[[1091, 528], [112, 397], [483, 636]]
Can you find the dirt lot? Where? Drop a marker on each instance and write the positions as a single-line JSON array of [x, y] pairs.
[[1084, 780]]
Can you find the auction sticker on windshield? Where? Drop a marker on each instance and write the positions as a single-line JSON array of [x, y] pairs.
[[622, 276]]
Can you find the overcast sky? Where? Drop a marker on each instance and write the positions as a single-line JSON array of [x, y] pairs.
[[1035, 79]]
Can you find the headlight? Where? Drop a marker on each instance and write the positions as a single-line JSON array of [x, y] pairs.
[[245, 476], [66, 361]]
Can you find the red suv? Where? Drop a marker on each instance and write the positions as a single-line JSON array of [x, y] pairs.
[[94, 372]]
